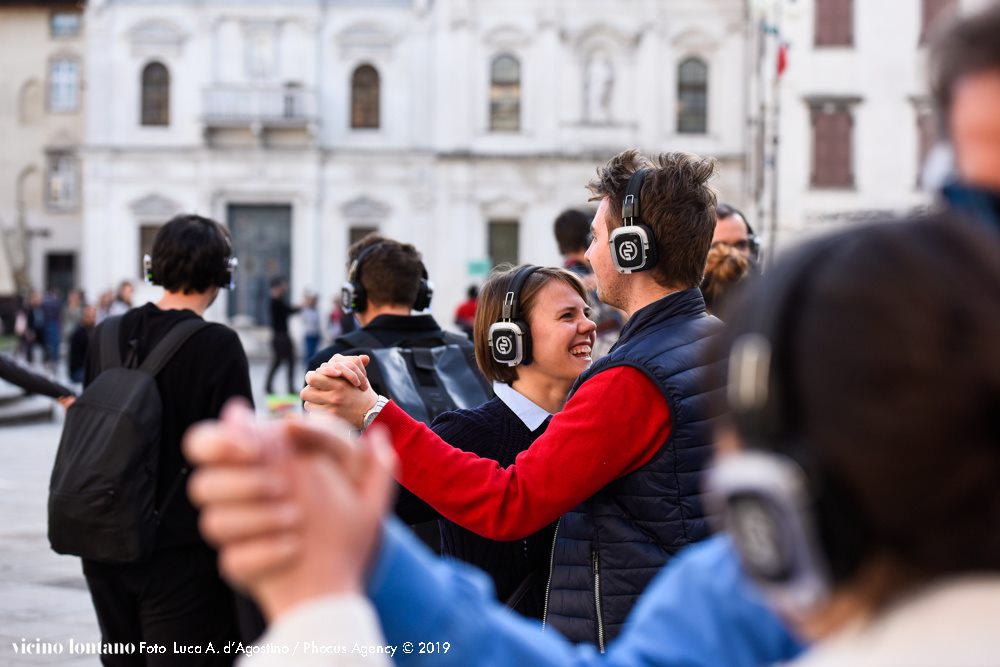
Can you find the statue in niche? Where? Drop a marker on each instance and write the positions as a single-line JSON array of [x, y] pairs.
[[598, 88]]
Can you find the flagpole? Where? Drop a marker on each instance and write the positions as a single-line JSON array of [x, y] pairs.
[[775, 139]]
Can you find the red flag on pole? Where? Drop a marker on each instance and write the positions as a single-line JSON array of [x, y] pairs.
[[782, 58]]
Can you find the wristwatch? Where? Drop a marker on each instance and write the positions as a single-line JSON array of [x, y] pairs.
[[372, 413]]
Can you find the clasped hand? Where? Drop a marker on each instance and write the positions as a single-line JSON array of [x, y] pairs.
[[340, 387], [294, 507]]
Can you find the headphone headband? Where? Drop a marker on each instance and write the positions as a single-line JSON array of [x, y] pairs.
[[512, 301], [630, 205]]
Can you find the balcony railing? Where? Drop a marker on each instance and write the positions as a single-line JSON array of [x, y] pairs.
[[290, 106]]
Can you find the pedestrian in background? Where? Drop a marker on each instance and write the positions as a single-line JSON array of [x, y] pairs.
[[281, 343]]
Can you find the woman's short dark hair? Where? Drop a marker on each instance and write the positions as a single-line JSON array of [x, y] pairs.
[[190, 254], [891, 357], [489, 309]]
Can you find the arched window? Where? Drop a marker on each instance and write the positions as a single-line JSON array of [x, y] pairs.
[[155, 95], [505, 93], [365, 97], [692, 97]]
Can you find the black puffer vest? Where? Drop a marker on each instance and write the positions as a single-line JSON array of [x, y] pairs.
[[608, 549]]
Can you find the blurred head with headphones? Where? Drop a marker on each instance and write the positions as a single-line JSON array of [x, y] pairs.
[[384, 277], [965, 81], [190, 255], [653, 228], [864, 385]]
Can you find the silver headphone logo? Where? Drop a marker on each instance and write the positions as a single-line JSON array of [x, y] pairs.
[[629, 250], [504, 345]]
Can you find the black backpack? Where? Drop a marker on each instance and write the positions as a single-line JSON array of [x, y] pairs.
[[102, 495], [424, 376]]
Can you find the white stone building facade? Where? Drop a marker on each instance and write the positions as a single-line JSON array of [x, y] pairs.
[[42, 47], [462, 126], [854, 118]]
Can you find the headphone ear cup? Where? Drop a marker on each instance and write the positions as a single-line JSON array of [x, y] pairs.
[[425, 292], [360, 302], [633, 248], [147, 269], [509, 343]]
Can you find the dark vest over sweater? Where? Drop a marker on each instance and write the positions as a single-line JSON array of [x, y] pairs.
[[610, 547]]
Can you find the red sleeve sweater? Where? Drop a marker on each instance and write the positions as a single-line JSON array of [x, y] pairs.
[[614, 424]]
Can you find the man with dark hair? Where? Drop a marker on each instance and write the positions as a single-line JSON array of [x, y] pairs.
[[733, 229], [572, 229], [390, 276], [620, 466], [965, 66], [176, 595]]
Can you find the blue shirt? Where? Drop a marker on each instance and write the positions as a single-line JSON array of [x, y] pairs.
[[699, 611]]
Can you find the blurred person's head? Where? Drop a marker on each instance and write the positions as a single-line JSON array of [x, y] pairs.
[[278, 287], [965, 66], [125, 290], [572, 230], [88, 317], [553, 303], [676, 203], [472, 293], [190, 255], [731, 227], [391, 274], [725, 267], [864, 381]]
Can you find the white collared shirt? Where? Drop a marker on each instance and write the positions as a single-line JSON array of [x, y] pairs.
[[526, 410]]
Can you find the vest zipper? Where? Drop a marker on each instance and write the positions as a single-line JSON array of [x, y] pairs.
[[548, 586], [596, 561]]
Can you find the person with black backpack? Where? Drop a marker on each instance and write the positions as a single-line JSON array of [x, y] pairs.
[[427, 370], [117, 491]]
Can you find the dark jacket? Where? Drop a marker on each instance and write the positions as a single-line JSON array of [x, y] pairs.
[[610, 547]]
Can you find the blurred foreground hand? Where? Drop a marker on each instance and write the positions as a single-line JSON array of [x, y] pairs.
[[294, 507]]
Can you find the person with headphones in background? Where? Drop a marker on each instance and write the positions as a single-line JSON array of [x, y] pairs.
[[176, 595], [620, 466], [386, 282]]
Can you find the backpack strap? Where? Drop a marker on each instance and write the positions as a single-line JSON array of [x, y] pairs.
[[111, 354], [169, 344]]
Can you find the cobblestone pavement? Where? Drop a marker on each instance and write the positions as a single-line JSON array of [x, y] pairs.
[[43, 597]]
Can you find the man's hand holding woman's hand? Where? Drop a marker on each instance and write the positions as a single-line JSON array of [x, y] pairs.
[[340, 387]]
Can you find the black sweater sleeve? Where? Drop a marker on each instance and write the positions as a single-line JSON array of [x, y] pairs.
[[30, 381]]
